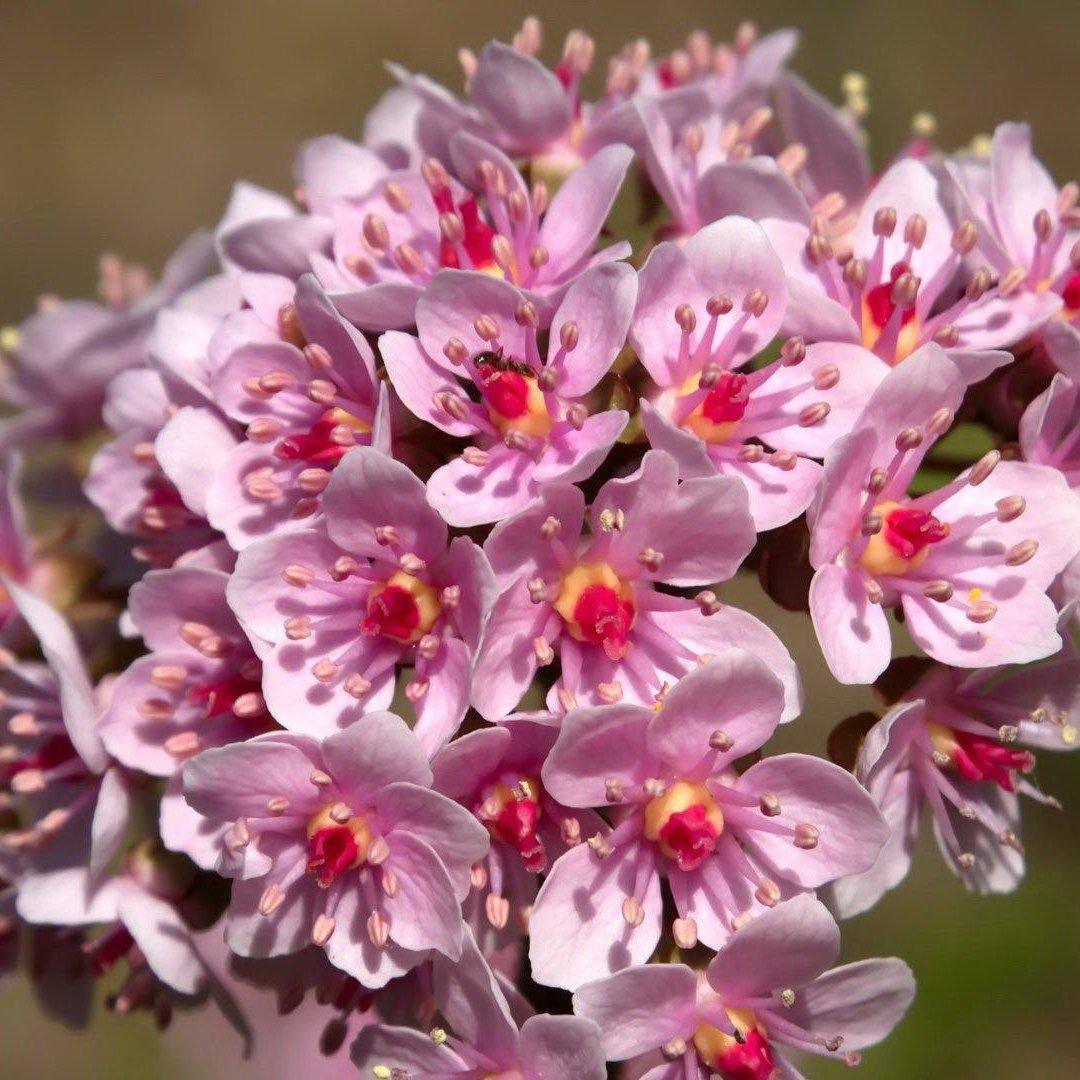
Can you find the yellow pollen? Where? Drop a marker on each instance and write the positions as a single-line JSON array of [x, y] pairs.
[[682, 795], [907, 341], [974, 594], [880, 558], [354, 423], [941, 738]]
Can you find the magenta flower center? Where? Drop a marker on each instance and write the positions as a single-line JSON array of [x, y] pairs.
[[1071, 293], [219, 697], [109, 949], [745, 1055], [335, 847], [511, 814], [506, 392], [909, 530], [684, 822], [403, 608], [977, 758], [727, 400], [477, 237], [605, 618], [322, 444]]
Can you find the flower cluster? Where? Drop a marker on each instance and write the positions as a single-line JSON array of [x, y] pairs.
[[416, 671]]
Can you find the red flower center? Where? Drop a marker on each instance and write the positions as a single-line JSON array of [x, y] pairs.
[[909, 530], [977, 758], [690, 835], [727, 400], [879, 300], [750, 1059], [506, 392], [325, 442], [219, 697], [605, 618], [1071, 293], [478, 234], [403, 608], [330, 853], [511, 814]]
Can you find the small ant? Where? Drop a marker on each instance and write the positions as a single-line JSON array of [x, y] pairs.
[[497, 360]]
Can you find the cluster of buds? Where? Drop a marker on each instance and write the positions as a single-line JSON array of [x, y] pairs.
[[414, 451]]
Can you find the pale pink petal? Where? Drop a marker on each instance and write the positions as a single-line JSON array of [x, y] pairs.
[[641, 1008], [577, 932], [860, 1002], [737, 694], [109, 825], [853, 632], [787, 946], [598, 745], [369, 490], [425, 912], [851, 829], [377, 751], [417, 380], [163, 939], [575, 455], [1019, 188], [562, 1046]]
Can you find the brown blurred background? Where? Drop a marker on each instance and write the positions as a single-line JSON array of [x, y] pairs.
[[124, 125]]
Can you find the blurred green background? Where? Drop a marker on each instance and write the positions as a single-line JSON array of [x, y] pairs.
[[124, 125]]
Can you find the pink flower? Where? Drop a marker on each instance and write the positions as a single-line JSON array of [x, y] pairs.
[[770, 986], [150, 481], [736, 76], [1028, 231], [340, 843], [306, 401], [73, 803], [594, 598], [895, 294], [953, 743], [138, 907], [334, 609], [969, 564], [1050, 431], [63, 356], [532, 423], [489, 1036], [513, 101], [730, 846], [495, 773], [704, 310], [389, 245]]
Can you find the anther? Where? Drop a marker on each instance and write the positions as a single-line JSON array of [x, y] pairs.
[[609, 692], [633, 912], [1010, 508], [769, 805], [718, 305], [982, 468], [826, 377], [685, 932], [1021, 553], [908, 439], [806, 836], [915, 231], [707, 602], [940, 590], [813, 414], [982, 611], [965, 237], [755, 302], [685, 317], [651, 559], [885, 221], [376, 233], [721, 740], [979, 283], [793, 352]]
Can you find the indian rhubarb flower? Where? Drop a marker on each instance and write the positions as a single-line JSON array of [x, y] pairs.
[[340, 843], [730, 846], [514, 101], [72, 803], [704, 310], [389, 245], [150, 480], [495, 772], [333, 609], [60, 360], [1050, 429], [528, 415], [306, 401], [142, 926], [198, 687], [1029, 229], [969, 563], [895, 293], [771, 986], [594, 600], [487, 1038], [956, 743]]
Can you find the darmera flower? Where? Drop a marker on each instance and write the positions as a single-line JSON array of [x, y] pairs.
[[333, 609], [340, 843], [730, 846], [969, 563], [488, 1035], [593, 598], [705, 310], [770, 988], [477, 371]]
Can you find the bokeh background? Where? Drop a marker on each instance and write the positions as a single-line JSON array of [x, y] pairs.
[[123, 125]]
